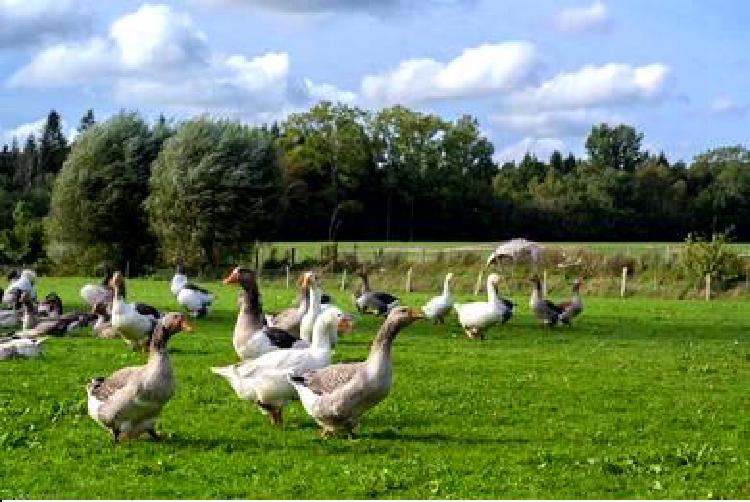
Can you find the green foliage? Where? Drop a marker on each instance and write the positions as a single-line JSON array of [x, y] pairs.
[[97, 201], [714, 257], [23, 242], [216, 187]]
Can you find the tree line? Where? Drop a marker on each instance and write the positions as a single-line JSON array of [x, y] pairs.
[[205, 190]]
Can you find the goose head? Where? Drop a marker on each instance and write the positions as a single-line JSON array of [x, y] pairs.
[[400, 317], [55, 303], [117, 282], [577, 284], [13, 275], [242, 276], [170, 324]]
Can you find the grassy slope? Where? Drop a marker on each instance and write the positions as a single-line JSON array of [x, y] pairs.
[[639, 399]]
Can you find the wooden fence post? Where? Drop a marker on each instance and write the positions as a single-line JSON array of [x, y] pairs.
[[478, 284], [424, 256], [293, 257], [343, 280], [287, 277], [624, 280], [408, 280], [544, 284], [708, 287]]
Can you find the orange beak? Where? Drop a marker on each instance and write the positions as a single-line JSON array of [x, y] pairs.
[[233, 277], [186, 326], [346, 324]]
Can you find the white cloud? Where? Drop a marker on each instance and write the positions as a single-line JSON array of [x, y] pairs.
[[725, 105], [152, 40], [158, 56], [22, 131], [29, 22], [594, 86], [541, 147], [592, 18], [328, 6], [328, 92], [564, 123], [477, 71]]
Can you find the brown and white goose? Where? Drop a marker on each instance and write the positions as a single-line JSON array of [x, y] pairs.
[[34, 327], [574, 307], [252, 337], [290, 319], [338, 395], [545, 310], [378, 301], [129, 401]]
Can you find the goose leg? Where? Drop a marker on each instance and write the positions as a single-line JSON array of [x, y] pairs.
[[115, 435]]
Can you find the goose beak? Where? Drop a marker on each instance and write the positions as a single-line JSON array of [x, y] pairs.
[[233, 277], [346, 324]]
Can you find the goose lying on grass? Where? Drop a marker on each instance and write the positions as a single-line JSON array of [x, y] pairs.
[[128, 402], [36, 327], [20, 348], [337, 396], [264, 380]]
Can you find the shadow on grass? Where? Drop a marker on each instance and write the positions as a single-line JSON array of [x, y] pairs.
[[437, 437]]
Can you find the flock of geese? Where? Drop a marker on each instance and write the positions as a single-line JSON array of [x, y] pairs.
[[283, 357]]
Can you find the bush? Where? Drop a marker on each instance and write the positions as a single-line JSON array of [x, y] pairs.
[[715, 257]]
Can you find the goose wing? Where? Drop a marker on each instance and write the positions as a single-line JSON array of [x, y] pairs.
[[280, 338], [195, 287], [145, 309], [104, 388], [331, 378]]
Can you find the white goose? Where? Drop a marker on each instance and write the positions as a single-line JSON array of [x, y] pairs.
[[23, 283], [437, 308], [264, 380], [192, 297], [476, 317], [94, 294], [20, 348], [314, 308], [127, 318]]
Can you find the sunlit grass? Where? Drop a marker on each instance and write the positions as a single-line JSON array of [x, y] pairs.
[[640, 399]]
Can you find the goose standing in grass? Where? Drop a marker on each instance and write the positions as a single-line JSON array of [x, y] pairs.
[[337, 396], [437, 308], [290, 319], [135, 322], [378, 301], [543, 309], [264, 380], [129, 401], [193, 298], [314, 307], [23, 282], [574, 307], [20, 348], [98, 293], [252, 337], [477, 317]]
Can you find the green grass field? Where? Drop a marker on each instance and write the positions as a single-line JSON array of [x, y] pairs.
[[640, 399]]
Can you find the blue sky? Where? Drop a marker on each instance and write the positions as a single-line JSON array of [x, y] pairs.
[[535, 74]]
